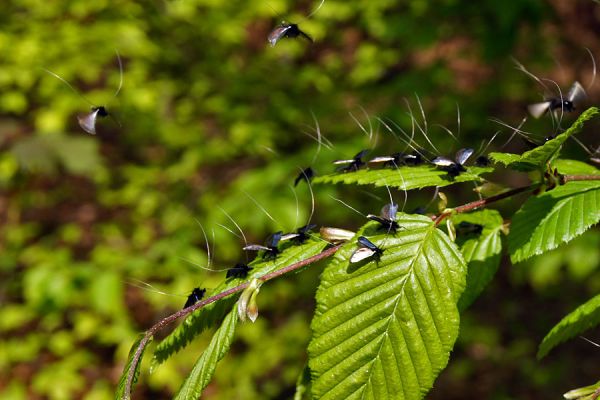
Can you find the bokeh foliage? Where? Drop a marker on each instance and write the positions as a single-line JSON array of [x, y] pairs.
[[209, 111]]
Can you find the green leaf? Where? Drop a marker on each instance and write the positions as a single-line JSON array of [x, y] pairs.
[[480, 251], [120, 392], [554, 217], [405, 178], [211, 314], [205, 366], [583, 393], [536, 159], [384, 328], [584, 317], [574, 167], [303, 385]]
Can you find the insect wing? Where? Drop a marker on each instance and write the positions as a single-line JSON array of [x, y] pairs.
[[360, 155], [305, 36], [256, 247], [364, 242], [274, 239], [194, 297], [463, 155], [389, 211], [576, 93], [306, 174], [339, 162], [361, 254], [88, 121], [538, 109], [289, 236], [382, 159], [277, 33], [442, 162], [377, 219]]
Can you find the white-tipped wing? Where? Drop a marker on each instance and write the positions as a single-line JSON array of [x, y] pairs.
[[442, 162], [389, 211], [360, 254], [88, 121], [463, 155], [576, 93], [538, 109]]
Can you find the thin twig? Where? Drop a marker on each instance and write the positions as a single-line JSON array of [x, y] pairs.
[[181, 313], [570, 178]]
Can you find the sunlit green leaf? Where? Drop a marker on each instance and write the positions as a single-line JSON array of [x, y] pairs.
[[205, 367], [584, 317], [384, 328], [554, 217], [303, 385], [405, 178], [583, 393], [481, 251], [211, 314], [536, 158], [120, 393], [574, 167]]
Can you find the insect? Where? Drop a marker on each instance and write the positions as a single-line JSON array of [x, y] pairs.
[[301, 235], [454, 168], [270, 249], [240, 270], [305, 175], [482, 161], [393, 160], [563, 104], [413, 158], [354, 164], [387, 219], [467, 228], [194, 297], [366, 249], [87, 122], [287, 30]]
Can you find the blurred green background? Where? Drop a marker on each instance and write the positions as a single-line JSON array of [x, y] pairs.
[[209, 112]]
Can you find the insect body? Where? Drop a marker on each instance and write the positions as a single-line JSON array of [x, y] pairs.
[[354, 164], [270, 248], [387, 219], [301, 235], [568, 104], [240, 270], [467, 228], [305, 175], [366, 249], [286, 30], [194, 297], [454, 168]]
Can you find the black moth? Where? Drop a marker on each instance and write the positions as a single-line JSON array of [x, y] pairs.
[[454, 168], [286, 30], [194, 297], [270, 248], [482, 161], [88, 121], [393, 160], [366, 249], [240, 270], [387, 220], [564, 104], [301, 235], [353, 164], [305, 175]]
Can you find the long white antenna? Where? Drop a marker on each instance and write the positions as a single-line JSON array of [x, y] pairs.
[[236, 225], [77, 92], [348, 205], [120, 73], [593, 68], [313, 12]]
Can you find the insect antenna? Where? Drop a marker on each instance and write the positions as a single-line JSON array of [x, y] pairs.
[[368, 133], [522, 68], [151, 288], [593, 68], [238, 228], [313, 12], [589, 341], [424, 130], [516, 130], [261, 207], [349, 206], [120, 73], [77, 92]]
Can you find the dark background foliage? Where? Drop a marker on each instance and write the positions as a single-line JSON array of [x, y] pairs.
[[209, 112]]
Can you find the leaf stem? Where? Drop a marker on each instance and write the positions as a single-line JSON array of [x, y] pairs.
[[181, 313], [571, 178], [484, 202]]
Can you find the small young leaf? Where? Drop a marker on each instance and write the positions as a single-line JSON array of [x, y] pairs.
[[481, 252], [121, 389], [205, 366], [583, 393], [404, 178], [584, 317], [211, 314], [303, 385], [536, 158], [574, 167], [384, 327], [554, 217]]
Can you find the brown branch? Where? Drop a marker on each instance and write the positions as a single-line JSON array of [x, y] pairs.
[[181, 313], [571, 178], [483, 202]]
